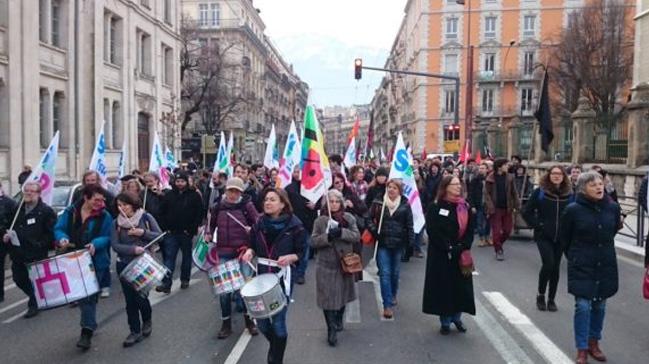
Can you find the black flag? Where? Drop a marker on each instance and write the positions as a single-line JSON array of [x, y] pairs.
[[544, 116]]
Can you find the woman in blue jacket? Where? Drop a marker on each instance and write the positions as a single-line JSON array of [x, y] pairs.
[[87, 225], [587, 235]]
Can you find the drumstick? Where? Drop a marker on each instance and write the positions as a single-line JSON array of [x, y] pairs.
[[155, 240], [252, 266], [237, 221]]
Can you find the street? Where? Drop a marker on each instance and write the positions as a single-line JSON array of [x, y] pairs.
[[507, 327]]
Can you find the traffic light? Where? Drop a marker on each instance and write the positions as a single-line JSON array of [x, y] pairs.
[[358, 68]]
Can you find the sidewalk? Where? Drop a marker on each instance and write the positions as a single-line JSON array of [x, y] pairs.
[[625, 241]]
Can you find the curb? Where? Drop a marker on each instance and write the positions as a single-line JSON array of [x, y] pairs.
[[633, 252]]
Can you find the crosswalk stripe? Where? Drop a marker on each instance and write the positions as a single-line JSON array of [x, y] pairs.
[[239, 348], [369, 277], [5, 309], [15, 317], [522, 323]]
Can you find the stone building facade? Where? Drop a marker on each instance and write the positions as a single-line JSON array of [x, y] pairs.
[[68, 65], [274, 93]]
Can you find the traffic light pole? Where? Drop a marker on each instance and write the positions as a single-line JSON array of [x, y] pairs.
[[456, 105]]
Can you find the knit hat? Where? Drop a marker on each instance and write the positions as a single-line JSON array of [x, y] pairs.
[[382, 171], [182, 175], [234, 183]]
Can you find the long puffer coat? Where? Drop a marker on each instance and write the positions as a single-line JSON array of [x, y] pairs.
[[588, 238], [334, 288]]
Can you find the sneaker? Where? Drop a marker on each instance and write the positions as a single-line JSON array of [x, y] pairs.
[[147, 328], [31, 312], [132, 339], [105, 292], [500, 256], [163, 289], [184, 284]]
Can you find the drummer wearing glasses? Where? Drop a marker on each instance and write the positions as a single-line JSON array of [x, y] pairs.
[[87, 224], [280, 236], [133, 229]]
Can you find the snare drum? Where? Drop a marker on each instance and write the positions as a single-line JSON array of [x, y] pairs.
[[143, 273], [263, 296], [63, 279], [226, 277]]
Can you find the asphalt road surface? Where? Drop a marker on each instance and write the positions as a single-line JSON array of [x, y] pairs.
[[506, 329]]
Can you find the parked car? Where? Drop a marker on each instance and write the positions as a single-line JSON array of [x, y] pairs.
[[62, 195]]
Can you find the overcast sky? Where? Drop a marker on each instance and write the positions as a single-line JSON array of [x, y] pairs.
[[321, 38]]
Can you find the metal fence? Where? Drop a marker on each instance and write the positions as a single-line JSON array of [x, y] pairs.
[[636, 230], [610, 141]]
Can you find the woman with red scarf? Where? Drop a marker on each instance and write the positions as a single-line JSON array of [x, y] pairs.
[[448, 288]]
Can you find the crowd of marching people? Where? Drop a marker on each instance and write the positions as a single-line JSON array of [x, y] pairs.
[[247, 218]]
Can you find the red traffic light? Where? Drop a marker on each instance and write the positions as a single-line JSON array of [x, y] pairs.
[[358, 68]]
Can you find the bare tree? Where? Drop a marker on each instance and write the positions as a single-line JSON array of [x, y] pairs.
[[213, 76], [594, 57]]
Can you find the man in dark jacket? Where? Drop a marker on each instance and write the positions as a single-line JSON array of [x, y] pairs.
[[475, 199], [7, 208], [152, 197], [182, 213], [243, 171], [35, 232], [307, 212], [501, 201], [214, 191]]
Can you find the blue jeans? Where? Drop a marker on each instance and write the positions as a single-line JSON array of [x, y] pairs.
[[276, 323], [300, 270], [589, 321], [417, 246], [172, 243], [482, 225], [388, 260], [88, 306], [226, 298], [136, 304], [447, 320]]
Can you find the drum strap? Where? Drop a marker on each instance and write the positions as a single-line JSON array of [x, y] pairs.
[[284, 273]]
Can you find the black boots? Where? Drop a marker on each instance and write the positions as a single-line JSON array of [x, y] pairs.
[[226, 329], [540, 302], [331, 317], [84, 342], [340, 315], [276, 349]]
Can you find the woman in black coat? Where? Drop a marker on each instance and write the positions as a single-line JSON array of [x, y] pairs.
[[543, 213], [278, 235], [396, 234], [588, 238], [449, 223]]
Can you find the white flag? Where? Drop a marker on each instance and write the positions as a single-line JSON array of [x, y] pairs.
[[45, 172], [291, 157], [350, 155], [98, 160], [229, 148], [170, 158], [158, 163], [271, 157], [402, 168]]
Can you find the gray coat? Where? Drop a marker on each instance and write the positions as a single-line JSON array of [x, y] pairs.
[[334, 287], [124, 244]]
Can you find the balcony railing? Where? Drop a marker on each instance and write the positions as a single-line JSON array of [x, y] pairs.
[[506, 76]]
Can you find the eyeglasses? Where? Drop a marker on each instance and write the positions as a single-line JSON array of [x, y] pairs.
[[31, 191], [338, 182]]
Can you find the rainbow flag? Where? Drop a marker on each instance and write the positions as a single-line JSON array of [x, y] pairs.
[[315, 164]]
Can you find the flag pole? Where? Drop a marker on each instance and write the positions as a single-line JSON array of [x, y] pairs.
[[22, 201]]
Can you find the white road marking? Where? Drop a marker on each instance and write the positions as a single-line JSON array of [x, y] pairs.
[[239, 348], [5, 309], [14, 318], [353, 311], [368, 277], [504, 343], [10, 286], [630, 261], [522, 323]]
